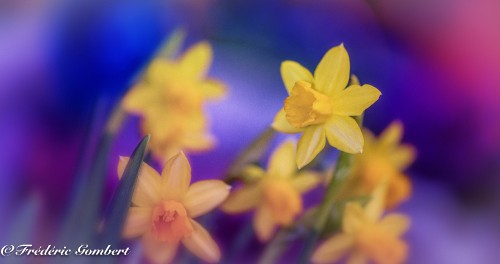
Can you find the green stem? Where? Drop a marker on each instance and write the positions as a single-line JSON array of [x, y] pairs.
[[340, 176]]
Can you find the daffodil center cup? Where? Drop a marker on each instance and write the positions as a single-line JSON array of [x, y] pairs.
[[306, 106], [170, 222], [283, 201]]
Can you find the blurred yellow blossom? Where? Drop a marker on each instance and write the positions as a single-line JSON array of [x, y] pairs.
[[275, 194], [164, 207], [366, 235], [383, 160], [170, 99], [321, 107]]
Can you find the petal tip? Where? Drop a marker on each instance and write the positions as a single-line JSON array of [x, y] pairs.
[[300, 164]]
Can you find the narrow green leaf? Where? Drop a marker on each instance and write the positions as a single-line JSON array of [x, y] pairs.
[[117, 210], [79, 226]]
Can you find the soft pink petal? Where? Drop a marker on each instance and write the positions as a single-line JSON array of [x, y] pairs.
[[176, 177], [203, 196], [201, 244]]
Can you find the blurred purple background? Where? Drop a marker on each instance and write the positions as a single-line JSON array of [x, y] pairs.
[[437, 64]]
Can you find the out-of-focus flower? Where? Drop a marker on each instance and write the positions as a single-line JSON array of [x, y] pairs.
[[170, 100], [164, 207], [366, 235], [383, 160], [275, 194], [321, 106]]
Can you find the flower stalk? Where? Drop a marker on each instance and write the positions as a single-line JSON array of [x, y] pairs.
[[339, 179]]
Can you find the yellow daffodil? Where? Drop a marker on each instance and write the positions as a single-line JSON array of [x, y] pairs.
[[383, 160], [275, 194], [321, 107], [164, 207], [366, 235], [170, 100]]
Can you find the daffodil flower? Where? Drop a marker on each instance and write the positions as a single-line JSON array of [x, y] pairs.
[[321, 107], [164, 207], [384, 160], [170, 99], [276, 194], [366, 235]]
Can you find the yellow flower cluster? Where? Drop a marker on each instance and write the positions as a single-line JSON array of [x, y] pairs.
[[320, 107]]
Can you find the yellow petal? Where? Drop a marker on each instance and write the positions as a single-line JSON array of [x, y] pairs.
[[354, 100], [156, 251], [396, 224], [263, 223], [305, 181], [176, 177], [158, 73], [201, 244], [292, 72], [203, 196], [399, 190], [139, 99], [196, 61], [196, 141], [243, 199], [213, 89], [146, 192], [403, 156], [281, 163], [309, 145], [344, 133], [357, 258], [333, 249], [375, 207], [332, 74], [354, 218], [391, 136], [281, 124], [138, 222]]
